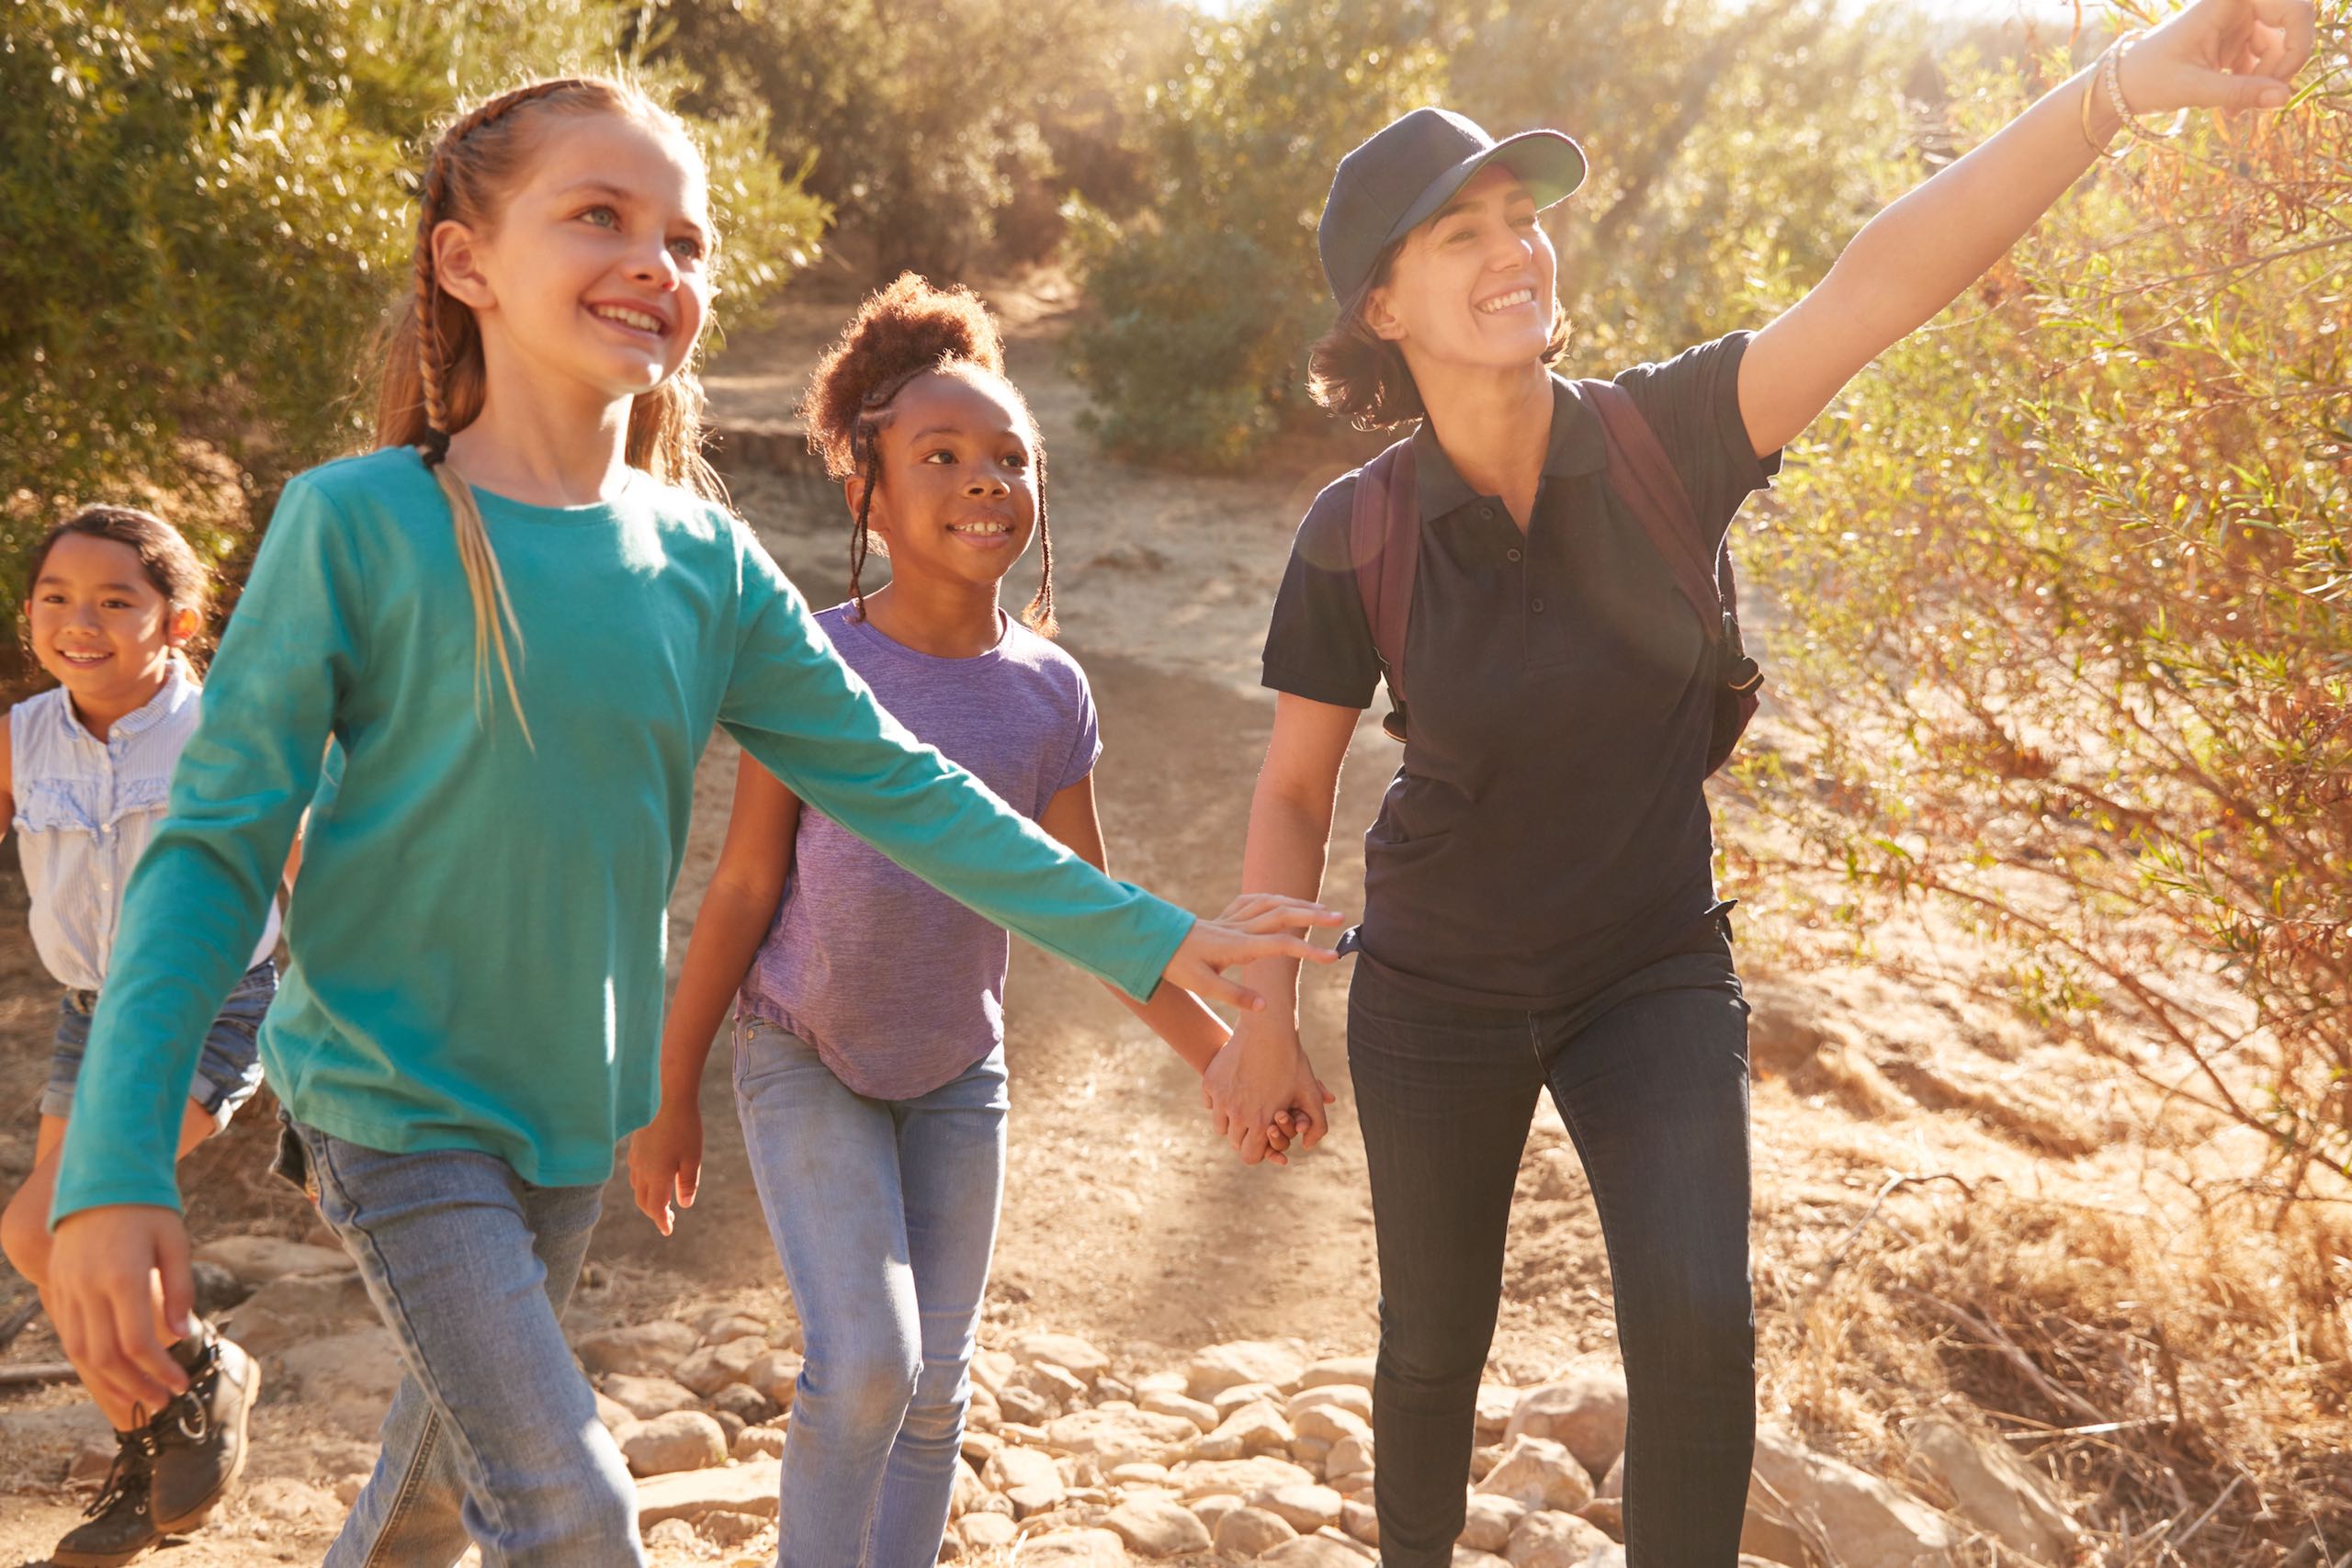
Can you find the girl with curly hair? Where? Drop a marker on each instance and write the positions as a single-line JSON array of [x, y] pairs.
[[869, 1036]]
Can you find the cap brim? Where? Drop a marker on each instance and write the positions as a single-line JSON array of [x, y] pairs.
[[1546, 162]]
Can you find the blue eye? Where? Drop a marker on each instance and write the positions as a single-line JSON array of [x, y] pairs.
[[687, 247], [602, 217]]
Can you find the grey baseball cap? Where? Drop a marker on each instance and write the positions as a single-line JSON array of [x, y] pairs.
[[1412, 167]]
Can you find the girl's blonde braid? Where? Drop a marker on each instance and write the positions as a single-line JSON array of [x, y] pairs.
[[494, 611]]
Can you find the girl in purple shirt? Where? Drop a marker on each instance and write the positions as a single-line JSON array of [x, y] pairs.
[[869, 1038]]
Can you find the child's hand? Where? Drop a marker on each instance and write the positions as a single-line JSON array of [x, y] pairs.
[[121, 1289], [665, 1158], [1254, 926]]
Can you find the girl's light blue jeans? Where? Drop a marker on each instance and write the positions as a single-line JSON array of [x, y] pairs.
[[884, 1214], [492, 1435]]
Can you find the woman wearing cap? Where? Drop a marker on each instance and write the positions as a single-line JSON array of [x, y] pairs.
[[1539, 905]]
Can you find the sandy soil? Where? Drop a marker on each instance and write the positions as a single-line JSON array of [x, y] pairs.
[[1125, 1221]]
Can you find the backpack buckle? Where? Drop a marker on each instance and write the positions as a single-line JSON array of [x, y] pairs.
[[1744, 676]]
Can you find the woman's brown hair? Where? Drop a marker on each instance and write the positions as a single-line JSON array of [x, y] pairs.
[[432, 378], [1361, 376], [908, 328]]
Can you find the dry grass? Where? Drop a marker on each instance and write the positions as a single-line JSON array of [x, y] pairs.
[[2184, 1378]]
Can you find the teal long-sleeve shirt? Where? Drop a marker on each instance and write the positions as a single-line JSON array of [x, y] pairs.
[[478, 930]]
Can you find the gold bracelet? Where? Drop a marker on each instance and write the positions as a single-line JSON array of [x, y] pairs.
[[2111, 78], [2090, 100]]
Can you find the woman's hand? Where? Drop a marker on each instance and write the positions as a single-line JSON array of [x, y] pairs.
[[120, 1291], [1262, 1073], [665, 1159], [2220, 54], [1254, 926]]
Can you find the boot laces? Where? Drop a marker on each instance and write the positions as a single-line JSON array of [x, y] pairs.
[[133, 1458]]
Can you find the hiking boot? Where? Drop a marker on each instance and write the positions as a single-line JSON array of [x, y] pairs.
[[121, 1520], [199, 1438]]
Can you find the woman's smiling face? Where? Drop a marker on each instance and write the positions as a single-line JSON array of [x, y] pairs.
[[1473, 285]]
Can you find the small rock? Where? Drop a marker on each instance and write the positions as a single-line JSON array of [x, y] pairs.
[[713, 1367], [217, 1289], [1159, 1526], [983, 1414], [1466, 1557], [1496, 1404], [1221, 1367], [1025, 1405], [1159, 1383], [1067, 1351], [1010, 1468], [744, 1403], [646, 1397], [1356, 1370], [294, 1309], [1111, 1391], [1613, 1483], [682, 1440], [643, 1349], [1349, 1456], [347, 1490], [92, 1462], [1606, 1515], [1304, 1506], [258, 1259], [1255, 1428], [1074, 1549], [1864, 1520], [776, 1375], [672, 1535], [1211, 1509], [346, 1378], [1539, 1473], [968, 1492], [727, 1528], [1994, 1490], [983, 1532], [757, 1442], [1361, 1520], [731, 1427], [1161, 1403], [1243, 1394], [1339, 1396], [1488, 1523], [1584, 1410], [990, 1368], [1315, 1552], [723, 1328], [1251, 1533], [1553, 1541], [1329, 1424], [612, 1412], [690, 1494], [1138, 1475]]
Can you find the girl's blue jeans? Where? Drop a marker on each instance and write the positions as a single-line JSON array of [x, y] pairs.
[[884, 1214], [493, 1436]]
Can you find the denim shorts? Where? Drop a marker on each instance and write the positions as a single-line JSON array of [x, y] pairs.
[[227, 1073]]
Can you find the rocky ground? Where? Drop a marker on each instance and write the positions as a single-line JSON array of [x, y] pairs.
[[1910, 1145]]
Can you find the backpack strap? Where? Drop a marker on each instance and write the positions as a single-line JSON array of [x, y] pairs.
[[1644, 477], [1385, 543]]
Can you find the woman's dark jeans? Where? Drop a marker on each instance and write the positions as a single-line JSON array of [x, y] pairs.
[[1651, 1078]]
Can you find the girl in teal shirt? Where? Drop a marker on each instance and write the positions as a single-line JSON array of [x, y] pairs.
[[519, 669]]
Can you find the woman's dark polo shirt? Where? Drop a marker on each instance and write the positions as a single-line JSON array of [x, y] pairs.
[[1547, 834]]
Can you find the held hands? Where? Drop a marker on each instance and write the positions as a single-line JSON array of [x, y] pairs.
[[2220, 54], [120, 1291], [665, 1160], [1259, 1091]]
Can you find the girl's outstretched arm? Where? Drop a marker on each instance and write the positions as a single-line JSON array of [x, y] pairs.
[[795, 705], [1174, 1014], [738, 909], [1914, 259]]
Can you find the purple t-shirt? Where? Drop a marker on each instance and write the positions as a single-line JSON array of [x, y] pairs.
[[898, 987]]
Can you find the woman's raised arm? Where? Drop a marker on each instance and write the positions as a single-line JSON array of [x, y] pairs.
[[1914, 259]]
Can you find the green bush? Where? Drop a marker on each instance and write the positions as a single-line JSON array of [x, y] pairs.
[[206, 214]]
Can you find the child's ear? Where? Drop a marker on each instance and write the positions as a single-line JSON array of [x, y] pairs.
[[1379, 318], [179, 625], [457, 266]]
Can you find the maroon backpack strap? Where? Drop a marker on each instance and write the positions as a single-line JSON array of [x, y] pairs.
[[1385, 543], [1644, 477]]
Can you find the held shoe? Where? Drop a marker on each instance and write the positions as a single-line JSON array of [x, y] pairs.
[[121, 1520], [199, 1438]]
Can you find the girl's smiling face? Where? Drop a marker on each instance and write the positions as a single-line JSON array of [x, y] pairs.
[[100, 625], [597, 271], [959, 492], [1473, 285]]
